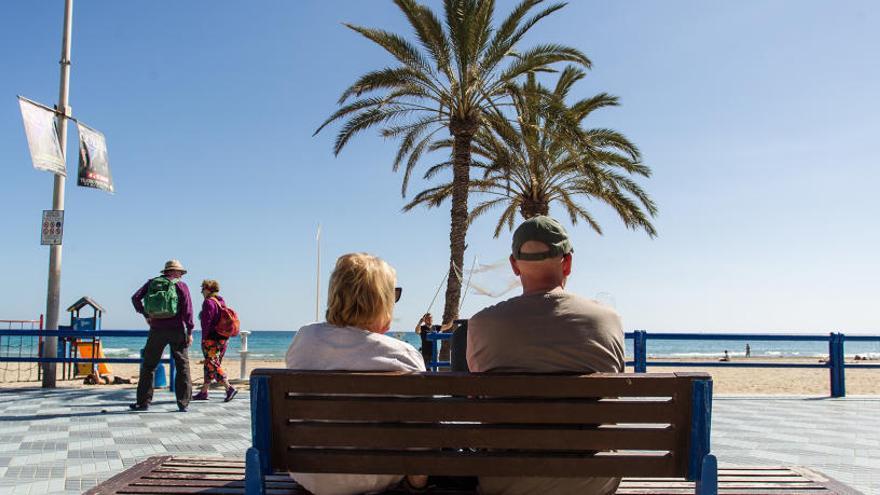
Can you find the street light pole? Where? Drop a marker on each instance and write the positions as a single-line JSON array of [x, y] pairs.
[[53, 293]]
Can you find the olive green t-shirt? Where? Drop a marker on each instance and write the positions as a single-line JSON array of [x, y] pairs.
[[549, 332]]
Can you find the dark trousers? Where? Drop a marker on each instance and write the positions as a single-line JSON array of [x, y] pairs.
[[156, 342]]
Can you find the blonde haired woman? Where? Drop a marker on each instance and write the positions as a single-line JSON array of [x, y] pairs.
[[360, 305]]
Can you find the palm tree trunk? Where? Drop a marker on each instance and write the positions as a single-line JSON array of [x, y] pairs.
[[461, 158], [531, 208]]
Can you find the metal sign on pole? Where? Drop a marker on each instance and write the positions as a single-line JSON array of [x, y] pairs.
[[53, 228]]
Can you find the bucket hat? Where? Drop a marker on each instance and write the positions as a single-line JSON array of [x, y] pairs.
[[173, 265]]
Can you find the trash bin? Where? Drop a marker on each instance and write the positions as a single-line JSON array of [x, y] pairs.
[[159, 379]]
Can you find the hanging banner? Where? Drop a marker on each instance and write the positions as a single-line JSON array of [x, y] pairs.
[[94, 165], [53, 227], [42, 137]]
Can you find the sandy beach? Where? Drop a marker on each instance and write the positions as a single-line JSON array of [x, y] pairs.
[[727, 381]]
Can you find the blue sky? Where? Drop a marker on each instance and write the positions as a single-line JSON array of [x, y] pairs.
[[756, 117]]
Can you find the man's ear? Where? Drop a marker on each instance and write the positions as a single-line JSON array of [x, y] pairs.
[[513, 266], [566, 264]]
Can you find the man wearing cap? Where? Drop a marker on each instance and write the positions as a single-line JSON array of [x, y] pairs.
[[545, 330], [175, 332]]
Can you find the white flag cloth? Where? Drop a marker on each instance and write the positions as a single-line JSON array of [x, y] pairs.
[[94, 164], [42, 137]]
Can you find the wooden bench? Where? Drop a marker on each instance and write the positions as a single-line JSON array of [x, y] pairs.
[[366, 422], [482, 424], [188, 475]]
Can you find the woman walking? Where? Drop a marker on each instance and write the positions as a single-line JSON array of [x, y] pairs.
[[213, 344]]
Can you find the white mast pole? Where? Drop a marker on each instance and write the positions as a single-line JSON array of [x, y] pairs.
[[318, 276]]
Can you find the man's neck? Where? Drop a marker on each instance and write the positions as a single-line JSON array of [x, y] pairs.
[[541, 289]]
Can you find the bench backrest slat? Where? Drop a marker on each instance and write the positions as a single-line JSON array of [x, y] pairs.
[[518, 437], [487, 385], [548, 411], [480, 424]]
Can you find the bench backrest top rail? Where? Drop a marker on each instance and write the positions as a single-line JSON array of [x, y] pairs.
[[476, 424]]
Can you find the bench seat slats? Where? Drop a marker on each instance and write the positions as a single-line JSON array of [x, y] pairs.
[[490, 385], [402, 436], [475, 463], [495, 411], [804, 482]]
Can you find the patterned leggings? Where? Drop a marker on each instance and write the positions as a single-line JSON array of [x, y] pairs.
[[214, 351]]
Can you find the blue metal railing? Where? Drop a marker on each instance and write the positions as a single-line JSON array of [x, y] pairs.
[[836, 364], [71, 334]]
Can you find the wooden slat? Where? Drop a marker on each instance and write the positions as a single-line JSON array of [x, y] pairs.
[[192, 475], [724, 491], [200, 469], [800, 484], [831, 483], [402, 436], [181, 490], [568, 411], [475, 463], [203, 462], [122, 479], [237, 483], [464, 384]]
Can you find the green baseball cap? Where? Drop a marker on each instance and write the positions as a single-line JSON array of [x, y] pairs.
[[542, 229]]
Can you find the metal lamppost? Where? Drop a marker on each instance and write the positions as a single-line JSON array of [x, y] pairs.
[[53, 293]]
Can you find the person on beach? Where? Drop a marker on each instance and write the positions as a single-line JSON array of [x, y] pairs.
[[726, 356], [426, 322], [166, 304], [545, 330], [360, 305], [748, 350], [213, 344]]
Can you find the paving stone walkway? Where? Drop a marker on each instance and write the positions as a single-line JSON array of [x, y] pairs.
[[68, 440]]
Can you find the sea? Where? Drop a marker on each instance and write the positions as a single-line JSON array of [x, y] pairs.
[[272, 345]]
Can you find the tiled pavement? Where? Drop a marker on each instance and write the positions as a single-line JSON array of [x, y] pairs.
[[67, 440]]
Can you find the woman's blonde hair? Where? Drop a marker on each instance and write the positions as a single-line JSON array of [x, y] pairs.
[[212, 286], [361, 291]]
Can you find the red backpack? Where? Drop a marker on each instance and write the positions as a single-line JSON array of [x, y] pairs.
[[228, 324]]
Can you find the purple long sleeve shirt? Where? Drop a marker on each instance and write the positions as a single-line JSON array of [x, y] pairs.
[[209, 316], [184, 317]]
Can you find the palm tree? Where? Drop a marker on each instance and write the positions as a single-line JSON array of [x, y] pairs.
[[547, 155], [456, 75]]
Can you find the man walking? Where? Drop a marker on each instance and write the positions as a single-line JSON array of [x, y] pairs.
[[166, 304], [545, 330]]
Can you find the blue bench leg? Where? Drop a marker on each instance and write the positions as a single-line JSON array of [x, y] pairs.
[[708, 482], [253, 473]]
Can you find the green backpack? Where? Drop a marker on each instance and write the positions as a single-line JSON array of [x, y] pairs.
[[161, 298]]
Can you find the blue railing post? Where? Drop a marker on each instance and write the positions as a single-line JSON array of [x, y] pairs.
[[435, 354], [640, 351], [257, 459], [842, 360], [841, 365], [835, 363], [702, 465]]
